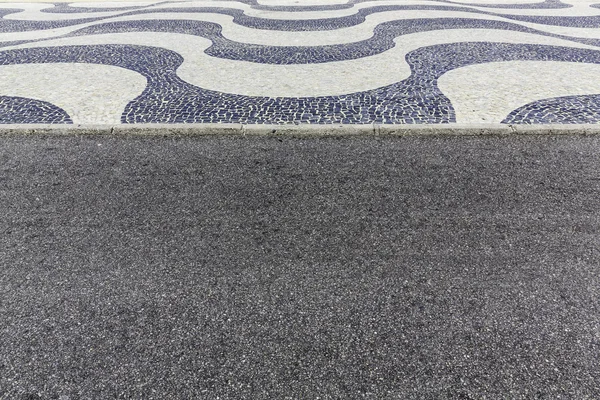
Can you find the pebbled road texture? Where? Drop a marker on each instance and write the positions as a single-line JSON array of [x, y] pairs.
[[287, 268]]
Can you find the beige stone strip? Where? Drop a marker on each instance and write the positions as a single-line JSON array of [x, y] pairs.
[[168, 130]]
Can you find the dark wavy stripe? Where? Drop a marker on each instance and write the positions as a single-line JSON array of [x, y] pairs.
[[416, 99], [167, 98], [574, 22], [329, 7], [7, 11], [300, 25], [382, 39], [343, 22], [20, 110], [322, 24], [7, 25], [65, 8], [545, 5], [558, 110]]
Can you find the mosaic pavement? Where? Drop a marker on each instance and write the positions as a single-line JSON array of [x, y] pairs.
[[301, 61]]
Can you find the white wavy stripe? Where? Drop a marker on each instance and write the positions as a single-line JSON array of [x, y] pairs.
[[38, 15], [333, 78], [495, 2], [579, 8], [100, 100], [33, 14], [288, 3], [327, 2], [300, 3], [26, 6], [487, 93], [362, 31], [241, 34], [113, 4]]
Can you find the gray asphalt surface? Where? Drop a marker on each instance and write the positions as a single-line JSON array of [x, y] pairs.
[[275, 268]]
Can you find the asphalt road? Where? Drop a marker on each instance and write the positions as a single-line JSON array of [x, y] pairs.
[[274, 268]]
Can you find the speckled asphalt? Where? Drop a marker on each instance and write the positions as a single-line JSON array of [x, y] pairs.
[[276, 268]]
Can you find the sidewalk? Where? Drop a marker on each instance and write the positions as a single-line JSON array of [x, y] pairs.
[[300, 62]]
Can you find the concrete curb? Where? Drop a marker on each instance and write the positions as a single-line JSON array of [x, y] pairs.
[[299, 130]]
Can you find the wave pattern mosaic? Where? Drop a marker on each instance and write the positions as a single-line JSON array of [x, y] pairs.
[[301, 61]]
